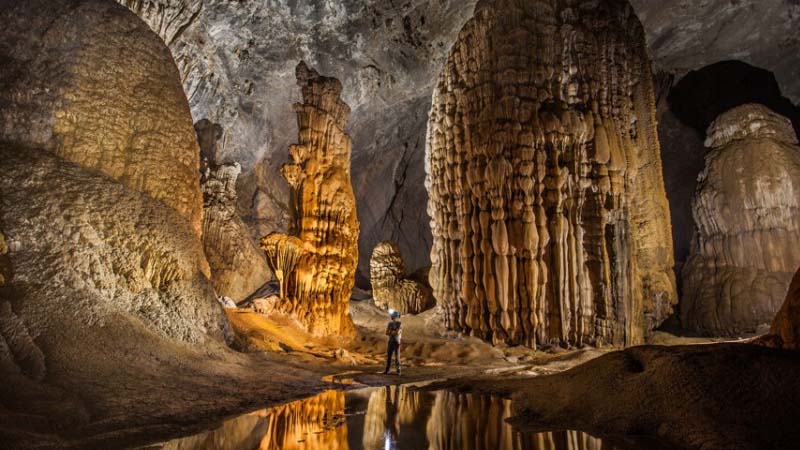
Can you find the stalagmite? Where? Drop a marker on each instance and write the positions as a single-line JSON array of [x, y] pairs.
[[316, 263], [746, 208], [238, 267], [549, 216], [391, 287]]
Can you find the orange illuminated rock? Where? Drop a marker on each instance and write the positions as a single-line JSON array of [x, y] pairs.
[[316, 263], [550, 219]]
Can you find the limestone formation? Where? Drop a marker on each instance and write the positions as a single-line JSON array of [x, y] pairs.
[[238, 267], [391, 286], [746, 211], [316, 263], [101, 100], [548, 210], [99, 205], [786, 325]]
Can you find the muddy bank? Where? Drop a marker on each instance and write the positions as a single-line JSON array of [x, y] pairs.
[[705, 397]]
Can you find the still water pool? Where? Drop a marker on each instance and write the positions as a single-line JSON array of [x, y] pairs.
[[387, 418]]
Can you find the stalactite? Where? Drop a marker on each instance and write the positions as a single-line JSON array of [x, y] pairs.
[[391, 286], [550, 220], [317, 261]]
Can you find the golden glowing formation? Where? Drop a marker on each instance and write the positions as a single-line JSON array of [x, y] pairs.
[[316, 263], [390, 418], [550, 220]]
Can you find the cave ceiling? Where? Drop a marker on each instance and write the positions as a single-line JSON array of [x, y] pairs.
[[237, 61]]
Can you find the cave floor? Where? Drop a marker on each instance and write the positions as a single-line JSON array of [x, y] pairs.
[[159, 399]]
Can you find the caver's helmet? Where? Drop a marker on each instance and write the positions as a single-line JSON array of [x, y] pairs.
[[394, 314]]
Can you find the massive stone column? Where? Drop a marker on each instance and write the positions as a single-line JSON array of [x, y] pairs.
[[746, 208], [549, 216], [392, 287], [316, 263]]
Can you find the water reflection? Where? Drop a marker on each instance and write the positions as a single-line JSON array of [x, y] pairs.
[[387, 418]]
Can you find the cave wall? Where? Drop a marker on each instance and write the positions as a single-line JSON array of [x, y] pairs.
[[237, 60], [550, 220]]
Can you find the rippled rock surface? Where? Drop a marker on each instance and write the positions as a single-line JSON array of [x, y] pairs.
[[391, 285], [316, 263], [746, 211], [550, 220]]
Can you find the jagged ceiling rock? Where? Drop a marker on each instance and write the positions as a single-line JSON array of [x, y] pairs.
[[687, 35], [237, 61], [746, 209], [550, 220]]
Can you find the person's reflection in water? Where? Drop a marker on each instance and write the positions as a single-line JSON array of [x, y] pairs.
[[392, 425]]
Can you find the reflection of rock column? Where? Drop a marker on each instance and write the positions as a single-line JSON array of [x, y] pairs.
[[300, 425], [550, 220], [317, 262], [390, 285], [747, 217]]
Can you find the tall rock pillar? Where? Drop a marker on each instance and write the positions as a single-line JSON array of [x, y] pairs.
[[549, 215], [316, 263]]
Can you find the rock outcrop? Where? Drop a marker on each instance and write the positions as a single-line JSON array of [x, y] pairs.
[[238, 266], [786, 325], [125, 116], [316, 263], [746, 211], [100, 207], [391, 285], [550, 221]]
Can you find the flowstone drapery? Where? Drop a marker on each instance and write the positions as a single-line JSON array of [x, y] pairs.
[[550, 220], [316, 263], [744, 250]]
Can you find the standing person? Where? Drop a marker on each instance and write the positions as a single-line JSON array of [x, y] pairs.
[[395, 332]]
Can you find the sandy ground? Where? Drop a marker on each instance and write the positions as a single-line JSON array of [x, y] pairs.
[[159, 398]]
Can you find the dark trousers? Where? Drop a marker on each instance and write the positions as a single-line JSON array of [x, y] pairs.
[[393, 349]]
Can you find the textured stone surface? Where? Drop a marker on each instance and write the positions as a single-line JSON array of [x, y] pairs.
[[80, 87], [391, 286], [316, 263], [744, 252], [237, 61], [550, 221], [687, 35], [787, 322], [238, 266], [100, 212]]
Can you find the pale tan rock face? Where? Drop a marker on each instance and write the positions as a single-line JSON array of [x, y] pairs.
[[746, 208], [74, 83], [99, 195], [238, 266], [391, 286], [550, 221], [316, 264]]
